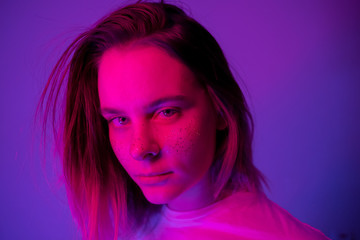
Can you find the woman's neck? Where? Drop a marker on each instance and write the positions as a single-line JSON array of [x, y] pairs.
[[198, 196]]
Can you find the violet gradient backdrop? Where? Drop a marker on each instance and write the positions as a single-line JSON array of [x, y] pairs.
[[300, 61]]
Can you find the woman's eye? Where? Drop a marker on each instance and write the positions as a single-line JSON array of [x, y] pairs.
[[119, 121], [169, 112]]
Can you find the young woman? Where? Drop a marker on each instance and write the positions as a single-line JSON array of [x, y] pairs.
[[156, 134]]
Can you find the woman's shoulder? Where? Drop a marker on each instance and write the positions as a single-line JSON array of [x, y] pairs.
[[257, 212], [242, 215]]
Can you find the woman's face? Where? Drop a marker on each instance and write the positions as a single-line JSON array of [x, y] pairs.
[[162, 124]]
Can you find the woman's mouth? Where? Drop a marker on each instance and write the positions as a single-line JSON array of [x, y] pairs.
[[153, 178]]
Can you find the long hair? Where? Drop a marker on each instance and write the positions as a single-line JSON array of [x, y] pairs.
[[104, 200]]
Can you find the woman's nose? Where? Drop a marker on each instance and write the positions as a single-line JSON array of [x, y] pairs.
[[144, 146]]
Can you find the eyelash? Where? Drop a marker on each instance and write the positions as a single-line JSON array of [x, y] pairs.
[[165, 111]]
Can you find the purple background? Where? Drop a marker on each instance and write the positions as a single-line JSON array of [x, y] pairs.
[[299, 60]]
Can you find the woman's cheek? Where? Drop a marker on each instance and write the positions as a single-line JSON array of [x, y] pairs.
[[196, 143], [186, 138], [117, 145], [182, 143]]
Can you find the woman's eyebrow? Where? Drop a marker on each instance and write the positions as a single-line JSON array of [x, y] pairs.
[[155, 104], [151, 106], [110, 111]]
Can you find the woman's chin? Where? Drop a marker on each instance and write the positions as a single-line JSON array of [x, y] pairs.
[[158, 195]]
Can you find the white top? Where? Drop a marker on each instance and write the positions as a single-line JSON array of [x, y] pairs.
[[243, 215]]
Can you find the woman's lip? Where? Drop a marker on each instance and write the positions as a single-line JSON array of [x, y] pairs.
[[153, 178], [153, 174]]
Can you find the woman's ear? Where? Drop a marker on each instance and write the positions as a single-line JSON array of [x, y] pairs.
[[221, 124]]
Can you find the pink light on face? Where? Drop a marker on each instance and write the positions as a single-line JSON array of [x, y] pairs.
[[162, 124]]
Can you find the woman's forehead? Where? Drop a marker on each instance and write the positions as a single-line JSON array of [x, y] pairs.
[[142, 73]]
